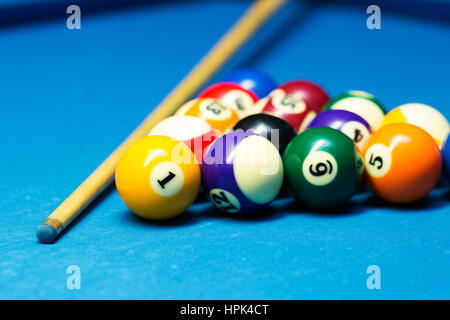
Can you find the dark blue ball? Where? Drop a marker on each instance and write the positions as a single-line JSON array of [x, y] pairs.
[[446, 159], [251, 79]]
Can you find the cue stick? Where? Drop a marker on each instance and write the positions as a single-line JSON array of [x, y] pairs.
[[259, 12]]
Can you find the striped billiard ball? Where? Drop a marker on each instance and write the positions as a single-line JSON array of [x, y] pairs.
[[363, 104], [232, 95], [241, 172], [348, 122], [216, 114], [423, 116], [296, 101], [403, 163]]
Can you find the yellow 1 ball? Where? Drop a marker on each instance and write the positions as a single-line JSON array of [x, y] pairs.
[[157, 177]]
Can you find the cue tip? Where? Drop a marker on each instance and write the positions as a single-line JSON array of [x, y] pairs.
[[47, 231]]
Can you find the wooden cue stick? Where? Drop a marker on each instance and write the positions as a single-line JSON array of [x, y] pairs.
[[259, 12]]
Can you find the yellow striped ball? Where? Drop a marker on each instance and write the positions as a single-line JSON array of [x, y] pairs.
[[423, 116]]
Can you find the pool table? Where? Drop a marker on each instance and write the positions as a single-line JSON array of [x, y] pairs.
[[69, 97]]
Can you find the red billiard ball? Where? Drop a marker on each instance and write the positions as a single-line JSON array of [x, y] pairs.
[[297, 102], [196, 133], [232, 95]]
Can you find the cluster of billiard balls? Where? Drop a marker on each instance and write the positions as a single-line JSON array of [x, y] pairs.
[[244, 139]]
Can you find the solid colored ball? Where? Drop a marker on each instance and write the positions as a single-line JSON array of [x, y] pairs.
[[219, 116], [232, 95], [355, 127], [241, 172], [196, 133], [423, 116], [157, 177], [296, 101], [446, 158], [275, 129], [363, 104], [254, 80], [323, 168], [403, 163]]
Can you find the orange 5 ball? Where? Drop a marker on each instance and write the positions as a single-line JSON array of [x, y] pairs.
[[403, 163]]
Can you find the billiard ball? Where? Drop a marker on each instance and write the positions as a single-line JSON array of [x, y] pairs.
[[252, 79], [232, 95], [260, 104], [323, 168], [446, 158], [196, 133], [157, 177], [363, 104], [241, 172], [403, 163], [219, 116], [278, 131], [348, 122], [296, 101], [421, 115]]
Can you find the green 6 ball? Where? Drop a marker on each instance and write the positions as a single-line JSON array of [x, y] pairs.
[[323, 167]]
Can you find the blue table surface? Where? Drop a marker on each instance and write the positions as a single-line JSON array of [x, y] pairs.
[[68, 98]]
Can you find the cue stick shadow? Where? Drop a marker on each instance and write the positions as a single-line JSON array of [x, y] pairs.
[[295, 14], [278, 30]]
